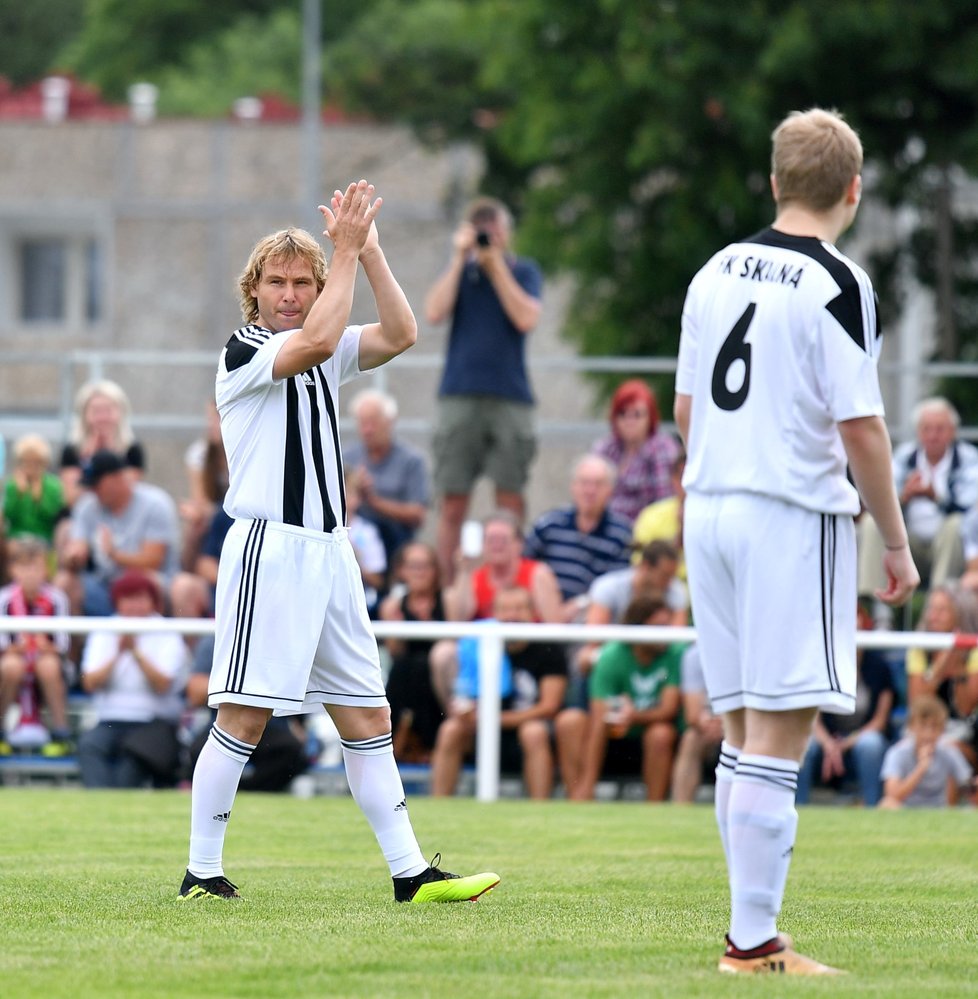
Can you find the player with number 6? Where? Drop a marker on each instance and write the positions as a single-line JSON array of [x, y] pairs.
[[777, 392]]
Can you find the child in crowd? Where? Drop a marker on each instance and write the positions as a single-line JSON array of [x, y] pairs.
[[33, 661], [33, 498], [924, 770]]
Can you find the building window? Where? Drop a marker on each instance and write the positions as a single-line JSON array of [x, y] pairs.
[[43, 279], [61, 280]]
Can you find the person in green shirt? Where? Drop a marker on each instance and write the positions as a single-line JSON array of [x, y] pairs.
[[634, 708], [33, 499]]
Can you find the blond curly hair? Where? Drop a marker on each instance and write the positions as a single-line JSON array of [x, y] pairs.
[[285, 245]]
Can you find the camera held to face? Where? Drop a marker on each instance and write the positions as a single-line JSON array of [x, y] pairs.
[[482, 238]]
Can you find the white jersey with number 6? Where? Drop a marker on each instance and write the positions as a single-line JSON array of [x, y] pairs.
[[780, 342]]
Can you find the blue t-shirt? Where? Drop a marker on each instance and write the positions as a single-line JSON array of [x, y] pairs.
[[486, 352]]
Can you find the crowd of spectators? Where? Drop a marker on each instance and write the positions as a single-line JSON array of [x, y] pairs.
[[91, 534]]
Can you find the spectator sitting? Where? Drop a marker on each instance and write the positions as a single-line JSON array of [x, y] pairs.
[[537, 677], [937, 481], [206, 464], [281, 752], [635, 702], [485, 408], [121, 524], [663, 519], [854, 745], [922, 769], [699, 744], [33, 663], [101, 423], [33, 500], [951, 675], [642, 452], [135, 681], [392, 476], [192, 593], [610, 595], [583, 540], [415, 710], [472, 594], [368, 546]]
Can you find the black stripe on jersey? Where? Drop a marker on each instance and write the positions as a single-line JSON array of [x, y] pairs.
[[828, 597], [329, 520], [246, 605], [294, 479], [847, 306], [334, 426]]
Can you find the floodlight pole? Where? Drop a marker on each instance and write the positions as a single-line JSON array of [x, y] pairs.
[[310, 152]]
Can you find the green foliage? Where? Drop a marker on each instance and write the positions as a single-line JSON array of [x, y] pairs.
[[123, 41], [32, 34], [632, 139], [599, 900], [216, 71]]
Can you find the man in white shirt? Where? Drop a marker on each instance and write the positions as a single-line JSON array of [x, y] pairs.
[[776, 393], [291, 628], [936, 478]]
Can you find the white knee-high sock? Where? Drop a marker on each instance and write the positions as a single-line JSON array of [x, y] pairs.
[[762, 822], [376, 787], [721, 797], [215, 784]]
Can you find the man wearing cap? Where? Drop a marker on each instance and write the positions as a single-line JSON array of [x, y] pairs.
[[118, 524]]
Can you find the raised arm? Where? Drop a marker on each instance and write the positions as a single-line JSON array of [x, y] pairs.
[[348, 225], [440, 300]]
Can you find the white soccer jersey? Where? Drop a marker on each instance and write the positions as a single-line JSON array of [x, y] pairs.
[[282, 437], [780, 342]]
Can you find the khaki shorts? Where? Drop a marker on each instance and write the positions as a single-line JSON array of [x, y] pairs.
[[483, 435]]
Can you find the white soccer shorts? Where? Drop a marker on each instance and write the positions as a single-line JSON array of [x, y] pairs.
[[773, 592], [292, 628]]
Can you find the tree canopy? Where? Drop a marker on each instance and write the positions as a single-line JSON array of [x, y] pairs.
[[632, 139]]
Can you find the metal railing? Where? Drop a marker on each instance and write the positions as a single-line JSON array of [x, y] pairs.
[[491, 637]]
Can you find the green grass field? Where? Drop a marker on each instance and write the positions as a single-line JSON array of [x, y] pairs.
[[613, 899]]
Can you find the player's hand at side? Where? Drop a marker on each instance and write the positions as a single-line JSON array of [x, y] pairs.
[[349, 218], [902, 577]]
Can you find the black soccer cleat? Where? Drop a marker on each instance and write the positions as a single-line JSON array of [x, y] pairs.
[[434, 885], [194, 887]]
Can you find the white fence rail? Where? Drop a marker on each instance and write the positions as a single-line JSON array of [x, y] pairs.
[[492, 637]]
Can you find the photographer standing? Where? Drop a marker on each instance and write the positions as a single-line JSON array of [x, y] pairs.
[[485, 418]]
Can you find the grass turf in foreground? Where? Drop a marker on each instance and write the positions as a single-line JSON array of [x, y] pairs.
[[595, 900]]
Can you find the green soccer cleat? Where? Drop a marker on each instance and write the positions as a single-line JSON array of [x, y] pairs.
[[434, 885], [194, 887]]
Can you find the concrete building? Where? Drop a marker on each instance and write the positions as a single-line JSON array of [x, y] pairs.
[[122, 235]]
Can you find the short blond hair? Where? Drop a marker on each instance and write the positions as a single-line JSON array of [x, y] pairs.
[[927, 707], [286, 245], [814, 157], [32, 446]]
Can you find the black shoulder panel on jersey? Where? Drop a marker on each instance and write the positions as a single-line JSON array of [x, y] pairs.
[[237, 353], [846, 307], [848, 312]]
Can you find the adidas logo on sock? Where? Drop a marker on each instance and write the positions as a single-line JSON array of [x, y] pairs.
[[222, 816], [402, 807]]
